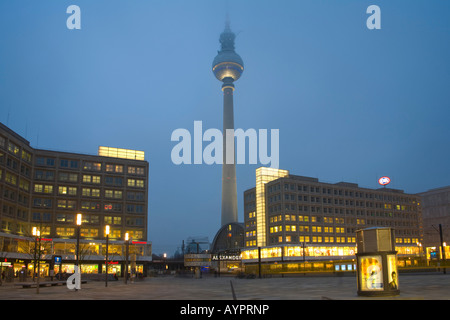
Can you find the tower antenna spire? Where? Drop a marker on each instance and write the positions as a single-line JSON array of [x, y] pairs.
[[227, 20]]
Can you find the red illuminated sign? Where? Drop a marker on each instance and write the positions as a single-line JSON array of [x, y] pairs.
[[384, 181]]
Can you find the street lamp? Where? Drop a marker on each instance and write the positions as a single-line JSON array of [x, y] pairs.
[[127, 244], [165, 265], [79, 216], [37, 234], [106, 260], [34, 232]]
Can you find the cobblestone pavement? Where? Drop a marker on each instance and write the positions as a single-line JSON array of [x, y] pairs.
[[434, 286]]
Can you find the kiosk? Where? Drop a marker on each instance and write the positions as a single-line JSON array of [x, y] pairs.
[[376, 262]]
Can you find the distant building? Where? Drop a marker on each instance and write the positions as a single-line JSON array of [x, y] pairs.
[[46, 189], [196, 244], [436, 211], [293, 217]]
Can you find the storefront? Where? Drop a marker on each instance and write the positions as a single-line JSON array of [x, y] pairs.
[[44, 268]]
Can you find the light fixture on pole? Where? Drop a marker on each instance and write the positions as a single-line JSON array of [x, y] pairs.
[[79, 218], [37, 255], [34, 232], [127, 244], [106, 260]]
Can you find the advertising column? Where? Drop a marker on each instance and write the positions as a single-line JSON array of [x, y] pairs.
[[377, 262]]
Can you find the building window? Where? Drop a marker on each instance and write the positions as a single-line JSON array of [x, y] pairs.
[[116, 194], [64, 218], [43, 188], [136, 170], [114, 168], [71, 191], [67, 204], [11, 178], [113, 220], [65, 232], [38, 216], [135, 183], [91, 179], [89, 232], [13, 148], [88, 192], [92, 166]]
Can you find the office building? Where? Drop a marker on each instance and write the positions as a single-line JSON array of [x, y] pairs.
[[436, 221], [46, 189], [293, 217]]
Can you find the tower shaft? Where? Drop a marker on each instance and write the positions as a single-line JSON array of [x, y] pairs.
[[228, 67], [229, 189]]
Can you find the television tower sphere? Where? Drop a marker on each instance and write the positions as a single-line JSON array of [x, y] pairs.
[[227, 63]]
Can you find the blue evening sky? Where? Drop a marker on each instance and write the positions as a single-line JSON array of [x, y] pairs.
[[351, 104]]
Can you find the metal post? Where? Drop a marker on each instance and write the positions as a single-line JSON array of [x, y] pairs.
[[106, 261], [218, 263], [38, 264], [259, 262], [304, 258], [126, 260], [34, 262], [78, 245], [442, 248], [107, 230]]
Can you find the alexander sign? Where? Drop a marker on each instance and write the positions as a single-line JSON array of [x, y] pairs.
[[226, 256]]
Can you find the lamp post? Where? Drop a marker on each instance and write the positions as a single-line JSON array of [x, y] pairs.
[[127, 244], [37, 234], [79, 216], [443, 244], [106, 260], [165, 261], [34, 232]]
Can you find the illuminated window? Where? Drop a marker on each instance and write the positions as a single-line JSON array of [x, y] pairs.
[[303, 239], [112, 220], [26, 156], [121, 153], [93, 166], [65, 232], [114, 168], [64, 218], [10, 178], [140, 183], [115, 233], [89, 233], [72, 191], [13, 148], [88, 205], [88, 192]]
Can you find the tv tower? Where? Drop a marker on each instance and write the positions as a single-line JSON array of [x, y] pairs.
[[228, 67]]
